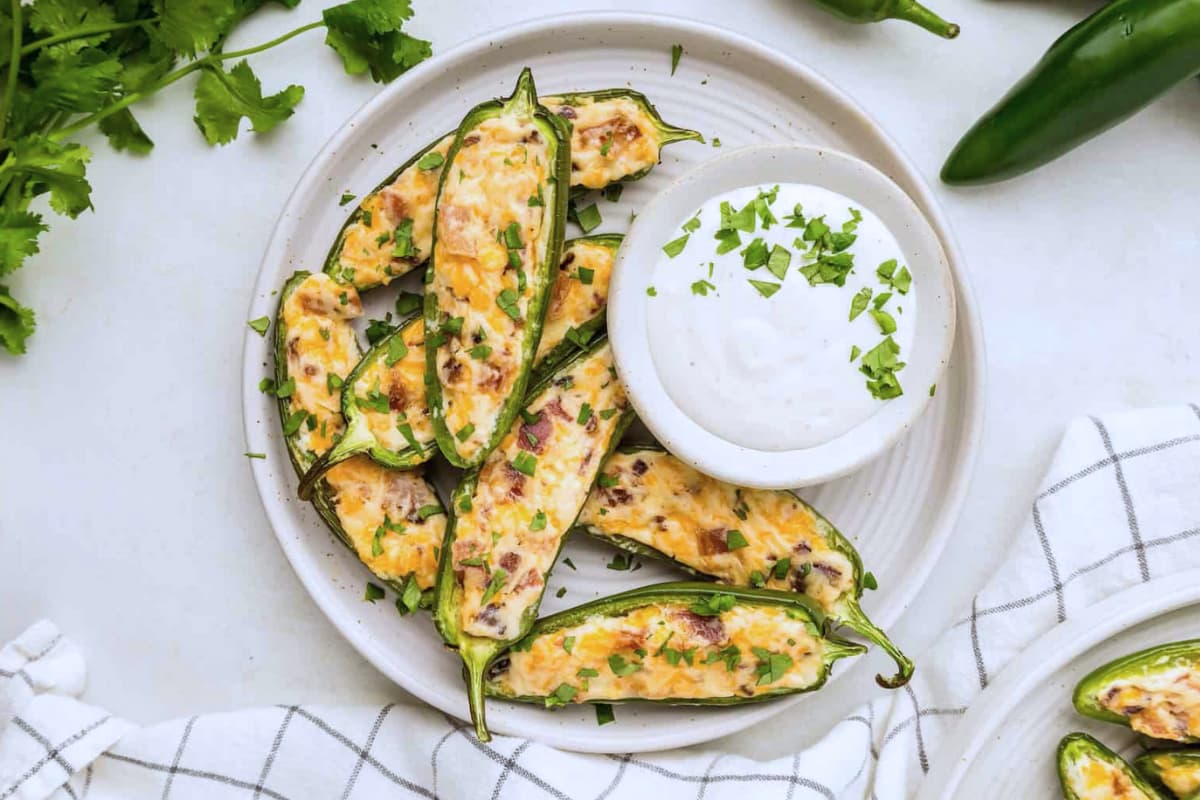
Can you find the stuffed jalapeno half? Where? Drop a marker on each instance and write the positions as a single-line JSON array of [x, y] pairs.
[[392, 520], [1090, 771], [650, 503], [1178, 771], [510, 518], [618, 136], [498, 235], [1155, 692], [578, 299], [383, 405], [679, 643]]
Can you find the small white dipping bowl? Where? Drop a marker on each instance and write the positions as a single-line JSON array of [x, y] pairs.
[[767, 165]]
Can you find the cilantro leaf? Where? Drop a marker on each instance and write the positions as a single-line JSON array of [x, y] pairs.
[[77, 82], [367, 35], [16, 323], [223, 98], [55, 168], [190, 26], [124, 133], [19, 231]]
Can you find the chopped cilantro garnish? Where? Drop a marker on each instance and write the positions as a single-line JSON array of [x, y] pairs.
[[286, 389], [512, 236], [538, 523], [507, 301], [560, 696], [464, 503], [608, 413], [569, 563], [431, 510], [620, 667], [829, 269], [294, 421], [932, 389], [453, 325], [869, 581], [780, 569], [735, 540], [757, 579], [377, 329], [255, 455], [588, 218], [713, 605], [568, 643], [693, 224], [346, 198], [731, 655], [816, 229], [260, 325], [585, 413], [676, 54], [854, 352], [480, 351], [373, 593], [765, 288], [779, 261], [859, 303], [716, 141], [880, 364], [755, 254], [796, 218], [621, 562], [396, 350], [586, 276], [267, 385], [612, 192], [771, 666], [431, 160], [702, 288], [499, 576], [607, 481], [675, 246], [606, 144], [403, 247], [881, 299], [525, 463], [887, 323], [604, 714], [465, 432], [727, 239], [410, 598], [562, 590]]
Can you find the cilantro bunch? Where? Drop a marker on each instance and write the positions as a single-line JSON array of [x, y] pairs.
[[71, 64]]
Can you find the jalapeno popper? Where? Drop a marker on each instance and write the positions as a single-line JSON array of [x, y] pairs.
[[1090, 771], [679, 643], [650, 503], [578, 299], [510, 518], [383, 406], [617, 136], [1176, 770], [498, 236], [392, 520], [1156, 692]]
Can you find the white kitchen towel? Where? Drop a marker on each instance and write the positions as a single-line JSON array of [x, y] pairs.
[[1120, 505]]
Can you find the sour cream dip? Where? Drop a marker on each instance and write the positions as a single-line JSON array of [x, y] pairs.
[[779, 316]]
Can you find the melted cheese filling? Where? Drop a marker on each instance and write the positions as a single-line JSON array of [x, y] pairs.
[[667, 651], [1097, 779], [508, 539], [1180, 776], [320, 342], [610, 139], [663, 503], [402, 387], [1164, 705], [368, 256], [477, 275], [572, 300], [365, 495]]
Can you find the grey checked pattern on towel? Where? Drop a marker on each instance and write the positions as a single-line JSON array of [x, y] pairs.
[[1118, 506]]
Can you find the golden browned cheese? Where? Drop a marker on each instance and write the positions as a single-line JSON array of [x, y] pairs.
[[401, 387], [1097, 779], [670, 652], [508, 539], [370, 254], [320, 343], [502, 163], [572, 300], [1163, 705], [381, 512], [661, 502], [610, 139], [1182, 778]]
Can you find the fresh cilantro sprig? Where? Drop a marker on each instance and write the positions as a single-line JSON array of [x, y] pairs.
[[69, 65]]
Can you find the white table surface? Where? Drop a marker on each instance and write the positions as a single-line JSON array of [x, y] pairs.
[[127, 511]]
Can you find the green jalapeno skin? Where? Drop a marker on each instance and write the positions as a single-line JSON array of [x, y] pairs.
[[845, 610], [1174, 771], [478, 652], [522, 102], [664, 132], [358, 437], [302, 459], [1139, 666], [1075, 748], [863, 11], [1099, 73], [687, 593]]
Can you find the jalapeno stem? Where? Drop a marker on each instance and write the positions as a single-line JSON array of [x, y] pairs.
[[914, 12], [357, 439], [852, 616], [477, 655]]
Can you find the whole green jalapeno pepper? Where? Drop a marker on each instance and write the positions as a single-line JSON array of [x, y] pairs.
[[1085, 766], [1100, 72], [1155, 691], [510, 517], [498, 237], [650, 503], [863, 11], [673, 643]]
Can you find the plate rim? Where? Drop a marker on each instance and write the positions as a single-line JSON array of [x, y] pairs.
[[1050, 652], [973, 355]]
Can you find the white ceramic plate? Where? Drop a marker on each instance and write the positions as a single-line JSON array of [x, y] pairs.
[[898, 510], [1004, 746], [629, 307]]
